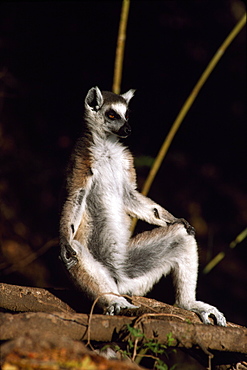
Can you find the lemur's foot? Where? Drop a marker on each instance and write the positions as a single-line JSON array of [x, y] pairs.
[[205, 311], [219, 317], [120, 303]]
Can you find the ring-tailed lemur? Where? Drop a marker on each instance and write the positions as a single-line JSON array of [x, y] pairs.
[[96, 244]]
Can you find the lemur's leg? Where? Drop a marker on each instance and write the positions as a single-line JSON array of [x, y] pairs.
[[159, 252], [93, 278]]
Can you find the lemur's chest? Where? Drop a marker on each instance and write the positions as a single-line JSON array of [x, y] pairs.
[[109, 170]]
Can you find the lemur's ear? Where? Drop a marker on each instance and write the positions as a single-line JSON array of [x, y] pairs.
[[94, 98], [128, 95]]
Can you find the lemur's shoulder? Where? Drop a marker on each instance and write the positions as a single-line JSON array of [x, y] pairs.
[[79, 169]]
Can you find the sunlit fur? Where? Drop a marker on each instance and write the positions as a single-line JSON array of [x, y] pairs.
[[96, 244]]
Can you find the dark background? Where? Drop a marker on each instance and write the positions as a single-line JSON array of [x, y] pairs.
[[52, 53]]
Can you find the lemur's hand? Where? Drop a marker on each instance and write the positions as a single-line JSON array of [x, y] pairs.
[[190, 229], [67, 254]]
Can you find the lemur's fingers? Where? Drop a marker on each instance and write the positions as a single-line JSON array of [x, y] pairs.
[[190, 229], [68, 255]]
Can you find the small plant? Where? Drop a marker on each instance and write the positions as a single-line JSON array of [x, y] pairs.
[[139, 347]]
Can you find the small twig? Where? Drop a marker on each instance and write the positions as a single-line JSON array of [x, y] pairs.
[[90, 319], [209, 354], [141, 303], [141, 354], [142, 317], [135, 349], [92, 309]]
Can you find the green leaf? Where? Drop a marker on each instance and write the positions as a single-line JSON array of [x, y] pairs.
[[160, 365], [170, 340], [135, 332]]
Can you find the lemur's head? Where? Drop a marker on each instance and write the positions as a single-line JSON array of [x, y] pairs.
[[107, 113]]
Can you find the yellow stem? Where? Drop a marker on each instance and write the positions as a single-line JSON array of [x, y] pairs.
[[239, 239], [117, 78], [213, 262], [188, 103], [221, 255], [185, 108]]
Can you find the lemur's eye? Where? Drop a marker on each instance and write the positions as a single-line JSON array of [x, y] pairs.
[[112, 114], [156, 213]]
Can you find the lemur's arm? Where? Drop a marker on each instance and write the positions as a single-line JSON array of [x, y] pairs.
[[69, 223], [78, 185], [142, 207], [137, 205]]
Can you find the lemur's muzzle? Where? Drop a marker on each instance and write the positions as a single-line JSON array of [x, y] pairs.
[[125, 130]]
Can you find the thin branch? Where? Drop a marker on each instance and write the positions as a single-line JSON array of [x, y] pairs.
[[103, 328], [117, 78], [187, 105]]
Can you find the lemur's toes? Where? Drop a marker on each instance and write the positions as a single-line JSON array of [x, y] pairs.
[[219, 317], [205, 311], [115, 308]]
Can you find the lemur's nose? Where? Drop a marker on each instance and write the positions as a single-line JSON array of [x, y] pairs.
[[127, 129]]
